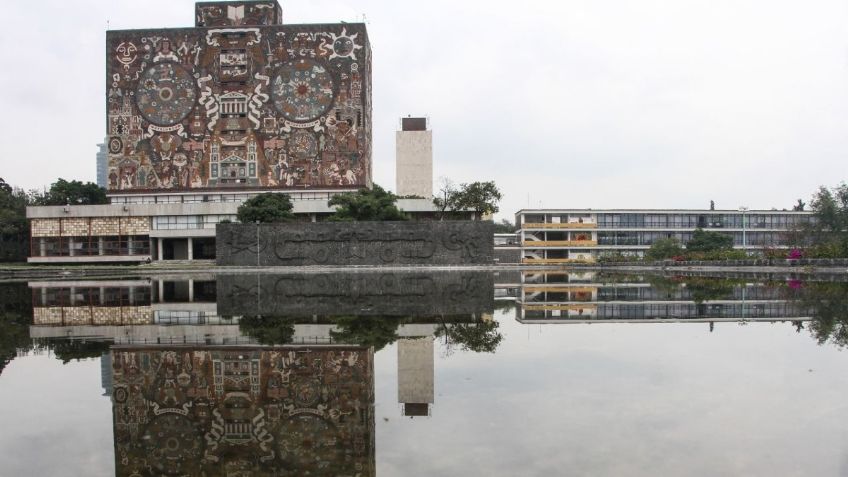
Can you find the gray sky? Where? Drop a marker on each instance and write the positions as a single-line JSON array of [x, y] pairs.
[[595, 103]]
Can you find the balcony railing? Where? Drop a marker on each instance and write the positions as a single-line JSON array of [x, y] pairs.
[[564, 225], [559, 243], [558, 289], [553, 261], [560, 307]]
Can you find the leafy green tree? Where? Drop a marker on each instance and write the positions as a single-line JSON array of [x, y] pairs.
[[504, 227], [268, 330], [707, 241], [14, 231], [375, 204], [479, 337], [664, 248], [376, 331], [829, 230], [266, 208], [64, 192], [481, 197], [15, 320]]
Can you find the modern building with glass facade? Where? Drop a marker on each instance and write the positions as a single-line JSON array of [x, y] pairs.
[[551, 236]]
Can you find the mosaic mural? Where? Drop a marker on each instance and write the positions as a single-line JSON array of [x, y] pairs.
[[248, 411], [241, 102]]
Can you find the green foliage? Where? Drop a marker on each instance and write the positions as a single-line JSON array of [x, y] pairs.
[[707, 241], [15, 320], [375, 204], [707, 288], [828, 309], [481, 197], [268, 330], [67, 350], [14, 231], [504, 227], [480, 337], [63, 192], [376, 331], [610, 257], [717, 255], [664, 248], [266, 208], [829, 230]]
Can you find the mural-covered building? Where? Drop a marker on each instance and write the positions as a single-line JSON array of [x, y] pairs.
[[239, 101], [199, 119]]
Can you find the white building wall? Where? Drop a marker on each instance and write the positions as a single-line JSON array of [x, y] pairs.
[[414, 163]]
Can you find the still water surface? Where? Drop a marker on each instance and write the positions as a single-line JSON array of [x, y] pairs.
[[424, 374]]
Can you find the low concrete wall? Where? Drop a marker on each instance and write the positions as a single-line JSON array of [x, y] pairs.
[[398, 293], [356, 243]]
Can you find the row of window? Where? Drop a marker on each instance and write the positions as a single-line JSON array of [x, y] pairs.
[[182, 222], [91, 245], [195, 198]]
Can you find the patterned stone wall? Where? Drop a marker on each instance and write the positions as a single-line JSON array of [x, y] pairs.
[[241, 102], [356, 243], [92, 315], [95, 226], [398, 294], [243, 411]]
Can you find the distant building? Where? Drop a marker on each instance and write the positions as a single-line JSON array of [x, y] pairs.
[[550, 236], [102, 165], [414, 158]]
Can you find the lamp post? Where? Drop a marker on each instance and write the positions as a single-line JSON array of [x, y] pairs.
[[744, 209]]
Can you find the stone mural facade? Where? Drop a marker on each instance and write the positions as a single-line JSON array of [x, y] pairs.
[[243, 411], [356, 243], [239, 101]]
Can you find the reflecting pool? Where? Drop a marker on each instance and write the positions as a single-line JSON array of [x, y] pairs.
[[425, 373]]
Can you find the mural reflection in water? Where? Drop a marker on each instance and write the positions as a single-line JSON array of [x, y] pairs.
[[243, 411]]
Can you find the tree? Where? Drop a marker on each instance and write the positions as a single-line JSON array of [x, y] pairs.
[[829, 230], [446, 199], [63, 192], [375, 204], [799, 207], [480, 337], [14, 231], [664, 248], [706, 241], [504, 227], [481, 197], [376, 331], [266, 208], [268, 330]]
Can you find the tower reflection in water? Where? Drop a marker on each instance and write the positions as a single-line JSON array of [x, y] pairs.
[[257, 375]]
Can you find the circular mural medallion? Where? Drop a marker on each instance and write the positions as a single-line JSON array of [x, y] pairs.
[[115, 145], [165, 94], [302, 90]]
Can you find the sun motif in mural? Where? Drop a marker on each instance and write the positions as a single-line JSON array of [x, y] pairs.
[[166, 94], [344, 45], [303, 90]]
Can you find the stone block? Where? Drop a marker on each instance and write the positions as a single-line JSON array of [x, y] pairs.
[[356, 243]]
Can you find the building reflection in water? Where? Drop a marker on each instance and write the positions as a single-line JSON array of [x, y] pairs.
[[195, 391], [290, 410], [566, 297]]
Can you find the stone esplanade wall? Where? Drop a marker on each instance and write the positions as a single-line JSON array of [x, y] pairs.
[[356, 243], [397, 293]]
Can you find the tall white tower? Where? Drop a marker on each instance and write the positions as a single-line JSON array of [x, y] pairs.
[[414, 158]]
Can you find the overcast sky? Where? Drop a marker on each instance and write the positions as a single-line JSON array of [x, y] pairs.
[[593, 103]]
